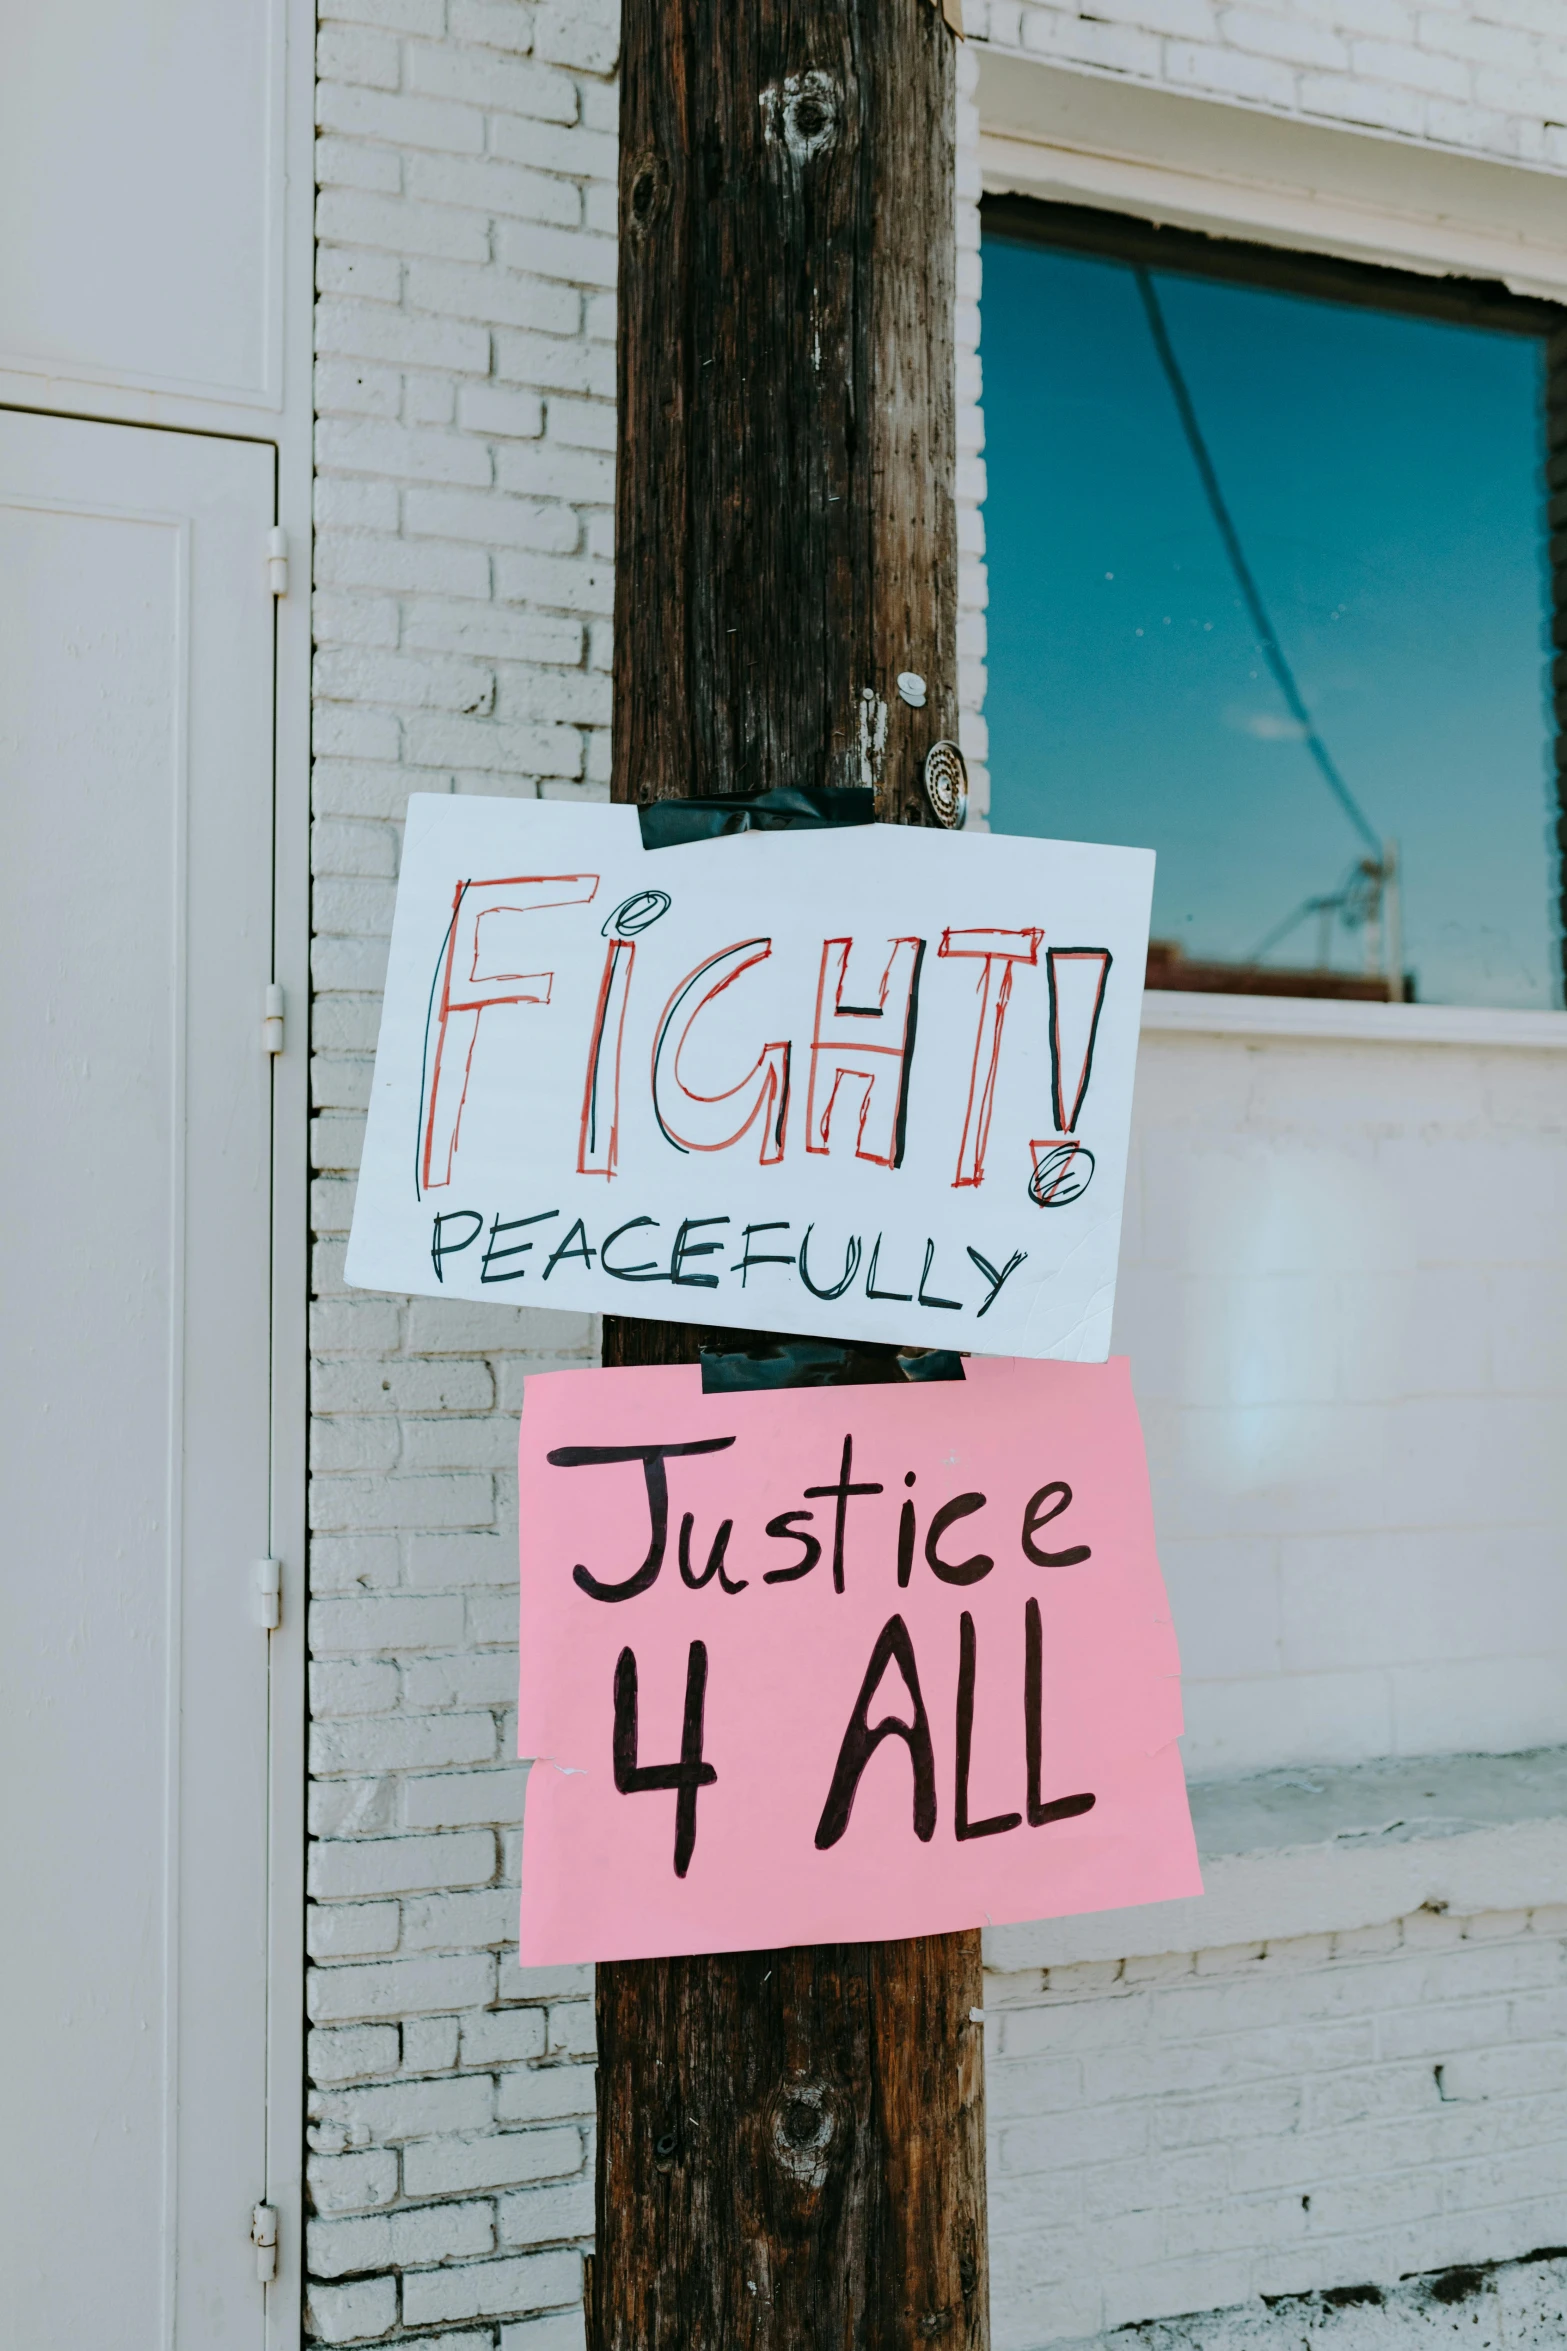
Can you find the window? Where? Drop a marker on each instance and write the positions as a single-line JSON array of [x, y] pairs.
[[1270, 594]]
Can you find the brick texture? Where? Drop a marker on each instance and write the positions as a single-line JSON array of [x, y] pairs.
[[1487, 77], [1191, 2133], [465, 435]]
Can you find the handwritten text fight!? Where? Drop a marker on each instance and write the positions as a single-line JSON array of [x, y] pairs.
[[872, 1083]]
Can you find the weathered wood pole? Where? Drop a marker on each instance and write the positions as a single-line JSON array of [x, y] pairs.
[[791, 2143]]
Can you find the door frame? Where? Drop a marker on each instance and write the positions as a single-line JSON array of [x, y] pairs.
[[291, 1200], [286, 1838]]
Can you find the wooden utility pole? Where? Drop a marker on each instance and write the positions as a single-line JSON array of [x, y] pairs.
[[791, 2143]]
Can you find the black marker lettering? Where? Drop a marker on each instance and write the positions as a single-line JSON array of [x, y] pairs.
[[1062, 1807], [715, 1557], [956, 1304], [686, 1776], [851, 1266], [999, 1822], [439, 1245], [905, 1544], [996, 1279], [956, 1571], [905, 1297], [860, 1742], [1034, 1518], [760, 1257], [784, 1529], [647, 1271], [493, 1256], [652, 1458], [684, 1249], [566, 1250], [843, 1489]]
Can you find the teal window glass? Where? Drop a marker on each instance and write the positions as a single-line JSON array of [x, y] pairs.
[[1269, 594]]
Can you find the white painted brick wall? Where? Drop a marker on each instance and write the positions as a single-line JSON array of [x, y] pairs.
[[1187, 2133], [463, 593], [463, 588], [1486, 76]]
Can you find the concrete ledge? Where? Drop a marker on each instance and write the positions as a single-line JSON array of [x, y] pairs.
[[1516, 2304], [1323, 1852], [1069, 134], [1171, 1012]]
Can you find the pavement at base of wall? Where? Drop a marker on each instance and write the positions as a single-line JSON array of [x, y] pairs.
[[1501, 2306]]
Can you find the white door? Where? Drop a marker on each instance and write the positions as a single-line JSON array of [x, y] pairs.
[[135, 919]]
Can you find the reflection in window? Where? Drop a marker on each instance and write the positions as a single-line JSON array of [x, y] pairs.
[[1269, 595]]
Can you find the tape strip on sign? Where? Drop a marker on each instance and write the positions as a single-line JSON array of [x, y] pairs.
[[839, 1664], [869, 1083]]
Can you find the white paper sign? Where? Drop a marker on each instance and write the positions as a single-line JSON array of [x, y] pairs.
[[870, 1083]]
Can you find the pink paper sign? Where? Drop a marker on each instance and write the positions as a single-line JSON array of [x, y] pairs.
[[840, 1664]]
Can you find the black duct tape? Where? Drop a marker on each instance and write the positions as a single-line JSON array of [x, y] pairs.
[[669, 824], [820, 1363]]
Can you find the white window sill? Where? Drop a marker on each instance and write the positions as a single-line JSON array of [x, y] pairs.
[[1323, 1851], [1173, 1011]]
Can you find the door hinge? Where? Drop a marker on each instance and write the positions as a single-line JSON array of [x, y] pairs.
[[277, 561], [269, 1598], [263, 2235], [272, 1020]]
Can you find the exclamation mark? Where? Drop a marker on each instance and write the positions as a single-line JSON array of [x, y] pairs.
[[1063, 1167]]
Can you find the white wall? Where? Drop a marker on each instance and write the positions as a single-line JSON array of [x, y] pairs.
[[110, 274], [1187, 2133], [1489, 76], [1344, 1297], [1345, 1256], [1341, 1292], [465, 392]]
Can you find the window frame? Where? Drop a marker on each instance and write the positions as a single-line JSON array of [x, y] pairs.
[[1287, 269]]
